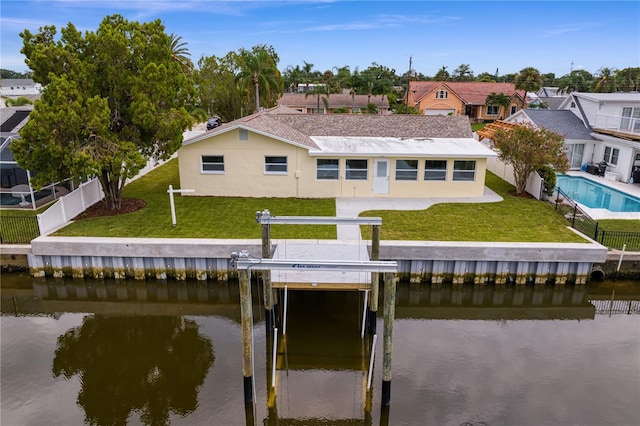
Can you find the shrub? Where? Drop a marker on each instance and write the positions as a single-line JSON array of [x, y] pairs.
[[548, 173]]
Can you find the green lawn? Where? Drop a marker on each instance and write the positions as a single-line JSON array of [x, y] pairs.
[[201, 217], [514, 219]]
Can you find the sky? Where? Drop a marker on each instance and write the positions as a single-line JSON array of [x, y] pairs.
[[552, 36]]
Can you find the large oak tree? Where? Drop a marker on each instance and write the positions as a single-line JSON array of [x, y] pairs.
[[114, 98]]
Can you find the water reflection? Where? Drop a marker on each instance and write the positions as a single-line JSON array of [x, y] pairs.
[[126, 364], [142, 352]]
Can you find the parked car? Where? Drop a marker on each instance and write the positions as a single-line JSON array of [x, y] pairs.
[[213, 122]]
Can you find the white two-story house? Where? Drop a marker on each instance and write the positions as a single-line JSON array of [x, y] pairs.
[[614, 121]]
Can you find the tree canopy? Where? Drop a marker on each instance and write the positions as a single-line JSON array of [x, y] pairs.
[[259, 75], [528, 148], [528, 80], [113, 99]]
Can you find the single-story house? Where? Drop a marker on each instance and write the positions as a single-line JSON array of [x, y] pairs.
[[309, 103], [462, 98], [285, 153]]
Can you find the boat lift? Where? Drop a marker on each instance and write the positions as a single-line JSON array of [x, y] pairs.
[[244, 263]]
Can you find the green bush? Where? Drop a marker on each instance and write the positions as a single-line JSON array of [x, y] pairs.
[[549, 175], [18, 102]]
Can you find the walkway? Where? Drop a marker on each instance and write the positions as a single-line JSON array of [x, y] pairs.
[[352, 207]]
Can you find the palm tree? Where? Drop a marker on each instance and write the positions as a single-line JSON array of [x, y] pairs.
[[528, 80], [179, 53], [606, 82], [498, 99], [319, 90], [292, 78], [258, 69]]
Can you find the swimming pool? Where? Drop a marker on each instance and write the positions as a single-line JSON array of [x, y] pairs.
[[593, 195]]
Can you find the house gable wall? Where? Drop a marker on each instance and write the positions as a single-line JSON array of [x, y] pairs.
[[432, 102]]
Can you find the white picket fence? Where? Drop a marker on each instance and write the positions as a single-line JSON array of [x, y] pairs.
[[74, 203]]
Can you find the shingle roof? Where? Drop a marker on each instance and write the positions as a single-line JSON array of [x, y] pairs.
[[299, 127], [335, 100], [563, 122], [471, 92]]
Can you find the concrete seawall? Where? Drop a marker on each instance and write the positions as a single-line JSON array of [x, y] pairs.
[[418, 261]]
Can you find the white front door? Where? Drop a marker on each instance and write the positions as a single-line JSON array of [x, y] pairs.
[[381, 176]]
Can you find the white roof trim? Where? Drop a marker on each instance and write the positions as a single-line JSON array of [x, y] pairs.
[[400, 147], [225, 129]]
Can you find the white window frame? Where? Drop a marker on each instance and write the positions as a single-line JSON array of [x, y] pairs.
[[611, 155], [464, 174], [442, 94], [404, 170], [356, 173], [272, 167], [435, 174], [243, 135], [332, 172], [215, 164]]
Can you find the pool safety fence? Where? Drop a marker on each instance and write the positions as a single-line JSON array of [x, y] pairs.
[[18, 229], [582, 222]]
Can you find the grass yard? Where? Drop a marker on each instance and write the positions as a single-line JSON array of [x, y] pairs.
[[514, 219], [201, 217]]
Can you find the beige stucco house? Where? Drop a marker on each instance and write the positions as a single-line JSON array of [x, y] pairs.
[[284, 153]]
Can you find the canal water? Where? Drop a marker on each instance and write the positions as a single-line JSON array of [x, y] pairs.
[[98, 352]]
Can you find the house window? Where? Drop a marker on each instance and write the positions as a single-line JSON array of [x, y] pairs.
[[442, 94], [573, 104], [492, 110], [435, 170], [464, 170], [327, 169], [212, 164], [243, 134], [406, 169], [513, 109], [275, 165], [356, 170], [611, 155], [318, 111]]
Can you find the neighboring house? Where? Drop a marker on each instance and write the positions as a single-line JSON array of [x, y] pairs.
[[353, 103], [578, 140], [284, 153], [14, 180], [462, 98], [615, 120], [598, 127], [15, 88], [552, 102], [548, 92]]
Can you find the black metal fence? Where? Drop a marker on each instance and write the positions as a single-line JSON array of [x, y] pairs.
[[583, 223], [18, 229]]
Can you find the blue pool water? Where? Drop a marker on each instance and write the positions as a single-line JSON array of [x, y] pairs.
[[593, 195]]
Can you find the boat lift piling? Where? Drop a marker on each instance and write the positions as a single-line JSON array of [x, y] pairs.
[[243, 263]]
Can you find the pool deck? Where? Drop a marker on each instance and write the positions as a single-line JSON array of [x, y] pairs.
[[627, 188]]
